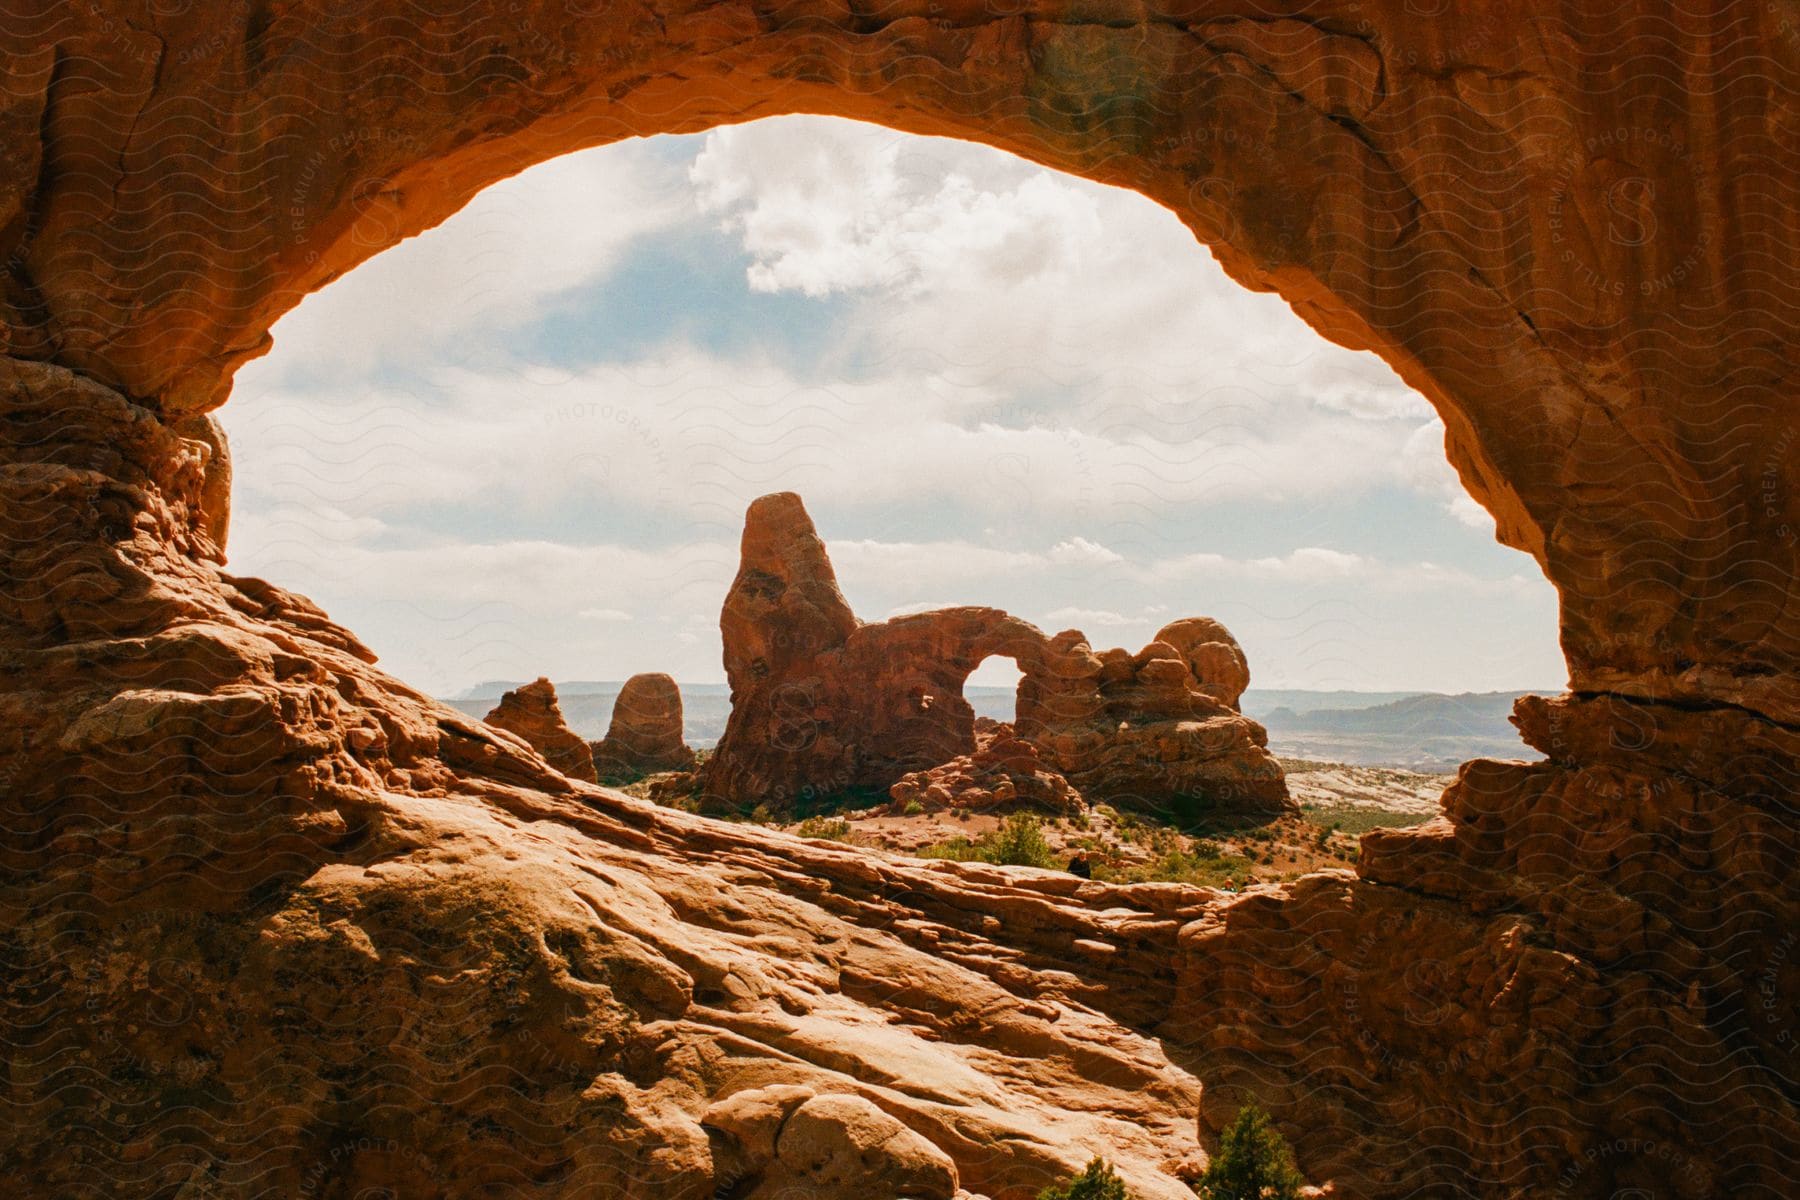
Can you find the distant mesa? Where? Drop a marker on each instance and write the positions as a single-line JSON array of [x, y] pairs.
[[532, 713], [645, 736], [826, 705]]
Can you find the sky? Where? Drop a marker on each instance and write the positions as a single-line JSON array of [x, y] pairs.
[[522, 443]]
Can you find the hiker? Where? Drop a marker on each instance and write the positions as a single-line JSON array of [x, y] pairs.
[[1079, 865]]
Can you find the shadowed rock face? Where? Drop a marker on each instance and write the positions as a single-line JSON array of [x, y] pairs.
[[533, 713], [823, 705], [278, 925], [645, 735]]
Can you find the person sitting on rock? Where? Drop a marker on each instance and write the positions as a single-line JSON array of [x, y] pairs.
[[1079, 865]]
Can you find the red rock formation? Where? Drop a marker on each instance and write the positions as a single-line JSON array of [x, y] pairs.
[[824, 705], [821, 703], [532, 712], [1141, 732], [278, 925], [1214, 660], [1003, 773], [645, 735], [247, 857]]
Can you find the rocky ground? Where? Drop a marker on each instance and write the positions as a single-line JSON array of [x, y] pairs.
[[1339, 802]]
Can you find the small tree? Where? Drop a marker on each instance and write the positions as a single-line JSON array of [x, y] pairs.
[[1020, 843], [1097, 1182], [1253, 1163]]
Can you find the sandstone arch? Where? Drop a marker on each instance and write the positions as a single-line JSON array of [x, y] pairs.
[[1447, 193], [1568, 224]]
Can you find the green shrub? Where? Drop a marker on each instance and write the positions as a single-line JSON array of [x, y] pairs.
[[1019, 843], [913, 808], [1253, 1163], [825, 829], [1097, 1182], [761, 815], [1201, 870]]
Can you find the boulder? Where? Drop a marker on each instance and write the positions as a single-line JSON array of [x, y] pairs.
[[785, 1141], [1004, 773], [1212, 655], [645, 736], [532, 713]]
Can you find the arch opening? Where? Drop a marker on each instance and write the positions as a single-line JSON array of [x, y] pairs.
[[993, 688], [1046, 395]]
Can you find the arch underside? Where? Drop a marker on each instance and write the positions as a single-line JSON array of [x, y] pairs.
[[1568, 225]]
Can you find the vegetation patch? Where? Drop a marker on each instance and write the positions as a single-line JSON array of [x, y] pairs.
[[1097, 1182], [1254, 1162], [1018, 843], [1357, 819]]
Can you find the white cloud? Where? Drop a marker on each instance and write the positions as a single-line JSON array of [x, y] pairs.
[[1372, 401], [456, 291], [826, 206], [604, 614], [980, 265], [1312, 562], [1080, 551], [1082, 618]]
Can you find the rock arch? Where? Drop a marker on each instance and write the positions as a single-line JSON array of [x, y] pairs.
[[183, 174], [1567, 224], [825, 707]]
